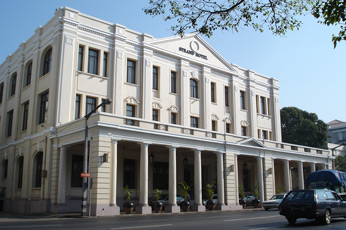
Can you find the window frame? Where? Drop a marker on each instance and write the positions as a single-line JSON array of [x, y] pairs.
[[80, 65], [25, 116], [13, 84], [244, 131], [226, 96], [20, 170], [93, 61], [9, 123], [133, 110], [105, 64], [47, 62], [173, 82], [242, 100], [77, 109], [1, 91], [4, 169], [131, 71], [174, 118], [213, 92], [193, 88], [38, 163], [28, 74], [90, 102], [194, 122], [43, 109], [156, 78]]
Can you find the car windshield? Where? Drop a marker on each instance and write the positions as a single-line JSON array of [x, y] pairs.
[[301, 195], [276, 197]]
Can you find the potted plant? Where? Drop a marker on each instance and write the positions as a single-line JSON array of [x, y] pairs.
[[185, 205], [157, 205], [128, 205], [255, 191], [241, 196], [210, 205]]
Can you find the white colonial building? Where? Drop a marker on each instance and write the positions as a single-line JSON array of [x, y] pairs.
[[179, 112]]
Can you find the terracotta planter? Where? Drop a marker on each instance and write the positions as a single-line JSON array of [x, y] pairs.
[[185, 206], [128, 207], [157, 207], [210, 205]]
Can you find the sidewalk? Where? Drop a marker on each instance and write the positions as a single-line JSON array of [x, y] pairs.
[[15, 217]]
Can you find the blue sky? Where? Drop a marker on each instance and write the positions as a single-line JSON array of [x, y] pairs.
[[311, 73]]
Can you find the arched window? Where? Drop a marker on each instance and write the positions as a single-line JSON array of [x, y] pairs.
[[38, 169], [193, 88], [47, 62], [20, 165], [27, 78], [13, 84]]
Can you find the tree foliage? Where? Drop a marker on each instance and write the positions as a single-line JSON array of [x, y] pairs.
[[332, 12], [302, 128], [278, 16], [340, 162]]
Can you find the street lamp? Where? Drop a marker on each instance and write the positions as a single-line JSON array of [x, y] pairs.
[[85, 164]]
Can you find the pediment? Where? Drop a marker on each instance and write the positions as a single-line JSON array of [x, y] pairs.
[[251, 142], [192, 47]]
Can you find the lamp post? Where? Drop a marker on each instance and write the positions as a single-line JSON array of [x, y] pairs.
[[85, 163]]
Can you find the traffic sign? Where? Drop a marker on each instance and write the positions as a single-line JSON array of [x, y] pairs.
[[85, 175]]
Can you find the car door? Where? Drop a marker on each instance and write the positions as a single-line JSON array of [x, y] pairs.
[[341, 205], [332, 203]]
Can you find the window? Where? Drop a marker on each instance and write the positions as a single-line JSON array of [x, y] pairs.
[[155, 78], [262, 105], [80, 58], [20, 164], [131, 71], [173, 82], [38, 169], [214, 125], [25, 115], [105, 61], [90, 104], [1, 91], [13, 84], [226, 96], [160, 175], [242, 100], [194, 122], [4, 169], [174, 118], [93, 61], [228, 128], [43, 115], [130, 173], [193, 88], [77, 169], [212, 91], [77, 107], [130, 110], [9, 123], [27, 79], [156, 117], [264, 134], [244, 131], [47, 62]]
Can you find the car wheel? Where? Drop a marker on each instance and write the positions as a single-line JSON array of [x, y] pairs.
[[291, 220], [266, 209], [325, 219]]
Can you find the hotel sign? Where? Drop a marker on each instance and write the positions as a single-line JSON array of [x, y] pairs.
[[194, 47]]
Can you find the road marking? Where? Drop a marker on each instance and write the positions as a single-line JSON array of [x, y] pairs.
[[252, 218], [147, 226], [32, 226]]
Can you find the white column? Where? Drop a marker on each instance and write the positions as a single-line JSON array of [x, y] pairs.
[[287, 175], [62, 176], [172, 196], [198, 206], [300, 175], [143, 207], [114, 156], [260, 178], [312, 167], [220, 183]]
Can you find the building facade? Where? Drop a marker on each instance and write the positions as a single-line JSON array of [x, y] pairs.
[[179, 112], [337, 137]]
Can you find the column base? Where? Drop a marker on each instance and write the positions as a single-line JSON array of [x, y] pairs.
[[143, 209], [222, 207], [172, 208], [198, 208], [104, 210]]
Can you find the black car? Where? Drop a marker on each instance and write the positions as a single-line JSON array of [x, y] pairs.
[[318, 204]]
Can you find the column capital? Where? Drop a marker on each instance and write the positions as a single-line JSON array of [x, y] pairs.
[[173, 146], [115, 140], [144, 143]]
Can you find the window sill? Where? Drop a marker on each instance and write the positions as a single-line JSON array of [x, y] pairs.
[[131, 84], [92, 75]]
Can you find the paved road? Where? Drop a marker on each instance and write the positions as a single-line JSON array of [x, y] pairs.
[[250, 220]]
